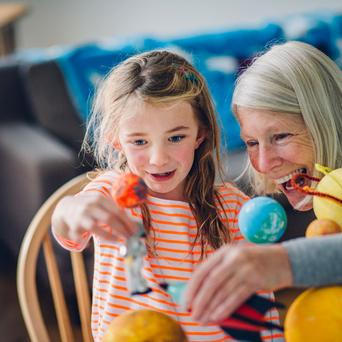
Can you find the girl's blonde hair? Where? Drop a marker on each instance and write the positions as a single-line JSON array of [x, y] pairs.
[[298, 79], [162, 77]]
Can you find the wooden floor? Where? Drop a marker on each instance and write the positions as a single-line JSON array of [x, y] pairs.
[[286, 297], [12, 327], [11, 322]]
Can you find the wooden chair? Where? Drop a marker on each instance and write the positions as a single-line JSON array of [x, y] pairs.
[[37, 236]]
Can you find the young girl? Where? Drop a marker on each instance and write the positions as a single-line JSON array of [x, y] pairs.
[[153, 116]]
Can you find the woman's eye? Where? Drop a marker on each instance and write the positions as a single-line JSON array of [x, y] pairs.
[[280, 137], [139, 142], [177, 138], [251, 143]]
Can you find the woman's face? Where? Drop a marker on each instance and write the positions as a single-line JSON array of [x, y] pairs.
[[278, 145]]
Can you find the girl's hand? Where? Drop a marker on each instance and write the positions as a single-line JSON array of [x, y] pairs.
[[93, 213], [231, 275]]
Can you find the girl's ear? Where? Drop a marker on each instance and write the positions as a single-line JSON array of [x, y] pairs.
[[200, 138]]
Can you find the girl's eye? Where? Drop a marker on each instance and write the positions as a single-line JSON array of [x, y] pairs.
[[177, 138], [139, 142]]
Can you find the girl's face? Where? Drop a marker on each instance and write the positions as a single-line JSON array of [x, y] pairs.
[[159, 142], [278, 146]]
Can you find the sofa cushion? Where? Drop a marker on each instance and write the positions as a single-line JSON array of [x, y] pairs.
[[51, 103], [13, 101]]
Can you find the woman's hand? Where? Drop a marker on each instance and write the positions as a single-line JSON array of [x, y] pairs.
[[231, 275], [93, 213]]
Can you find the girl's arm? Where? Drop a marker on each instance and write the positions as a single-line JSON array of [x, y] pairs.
[[92, 211]]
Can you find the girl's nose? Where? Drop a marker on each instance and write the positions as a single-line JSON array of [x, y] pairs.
[[158, 156]]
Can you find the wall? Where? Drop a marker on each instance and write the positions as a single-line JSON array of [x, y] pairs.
[[51, 22]]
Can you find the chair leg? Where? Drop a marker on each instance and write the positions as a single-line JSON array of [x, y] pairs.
[[82, 291], [62, 314]]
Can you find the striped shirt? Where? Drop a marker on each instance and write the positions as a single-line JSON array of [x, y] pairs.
[[173, 229]]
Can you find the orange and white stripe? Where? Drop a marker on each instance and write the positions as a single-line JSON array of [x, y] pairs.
[[174, 230]]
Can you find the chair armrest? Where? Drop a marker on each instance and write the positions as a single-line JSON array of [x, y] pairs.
[[13, 101], [51, 104]]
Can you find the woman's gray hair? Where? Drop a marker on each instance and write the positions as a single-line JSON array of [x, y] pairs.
[[296, 78]]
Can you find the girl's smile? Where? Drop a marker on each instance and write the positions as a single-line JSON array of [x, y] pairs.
[[162, 176]]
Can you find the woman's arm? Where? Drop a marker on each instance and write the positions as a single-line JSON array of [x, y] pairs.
[[233, 273], [315, 261]]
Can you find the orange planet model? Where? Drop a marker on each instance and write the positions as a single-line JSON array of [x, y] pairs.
[[130, 191], [144, 325], [322, 227]]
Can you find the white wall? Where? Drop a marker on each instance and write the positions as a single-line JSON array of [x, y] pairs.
[[51, 22]]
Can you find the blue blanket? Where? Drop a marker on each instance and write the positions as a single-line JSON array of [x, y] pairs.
[[218, 56]]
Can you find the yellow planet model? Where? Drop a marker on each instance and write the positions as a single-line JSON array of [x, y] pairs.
[[144, 325], [315, 316], [326, 208]]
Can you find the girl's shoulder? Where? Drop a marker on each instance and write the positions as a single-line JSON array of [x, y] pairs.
[[101, 179], [229, 190], [102, 174]]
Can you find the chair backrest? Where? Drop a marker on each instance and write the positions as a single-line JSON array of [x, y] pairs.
[[37, 237]]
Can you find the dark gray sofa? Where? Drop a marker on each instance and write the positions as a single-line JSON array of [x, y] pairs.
[[40, 137], [38, 152]]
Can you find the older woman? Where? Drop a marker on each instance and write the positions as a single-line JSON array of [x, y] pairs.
[[289, 106]]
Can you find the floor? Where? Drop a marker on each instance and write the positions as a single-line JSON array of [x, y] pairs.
[[11, 323]]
